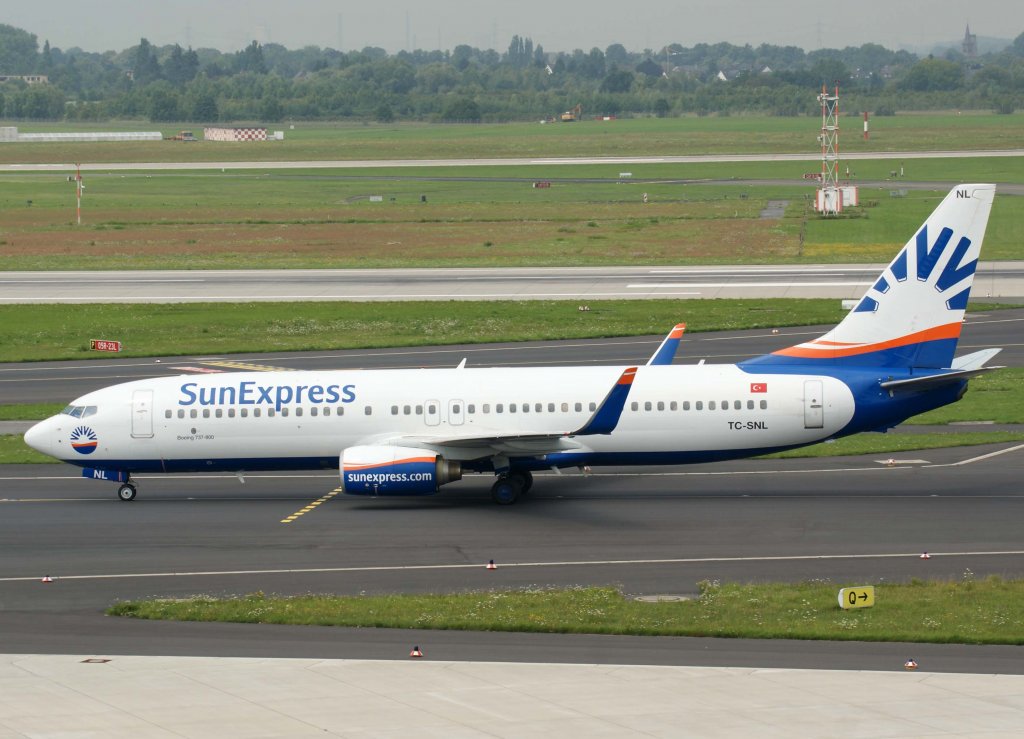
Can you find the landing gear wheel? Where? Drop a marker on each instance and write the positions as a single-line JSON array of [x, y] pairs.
[[525, 480], [126, 492], [506, 490]]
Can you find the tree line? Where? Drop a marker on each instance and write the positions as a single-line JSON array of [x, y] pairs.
[[270, 83]]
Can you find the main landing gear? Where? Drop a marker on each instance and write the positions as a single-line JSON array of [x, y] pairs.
[[126, 491], [507, 488]]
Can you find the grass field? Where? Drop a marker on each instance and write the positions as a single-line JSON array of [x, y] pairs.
[[46, 332], [647, 136], [990, 611], [316, 219]]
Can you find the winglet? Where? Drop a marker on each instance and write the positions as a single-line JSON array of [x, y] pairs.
[[606, 417], [667, 351]]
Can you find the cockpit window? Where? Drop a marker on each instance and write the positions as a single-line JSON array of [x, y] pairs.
[[80, 411]]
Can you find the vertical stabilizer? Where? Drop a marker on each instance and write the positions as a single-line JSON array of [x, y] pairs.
[[911, 316]]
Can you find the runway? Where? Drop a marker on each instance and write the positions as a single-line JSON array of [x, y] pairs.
[[993, 280], [512, 161]]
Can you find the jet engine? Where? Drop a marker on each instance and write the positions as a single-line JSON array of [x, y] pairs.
[[395, 470]]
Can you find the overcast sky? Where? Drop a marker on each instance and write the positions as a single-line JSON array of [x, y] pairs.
[[558, 25]]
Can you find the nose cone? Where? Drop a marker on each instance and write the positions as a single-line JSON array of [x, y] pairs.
[[40, 437]]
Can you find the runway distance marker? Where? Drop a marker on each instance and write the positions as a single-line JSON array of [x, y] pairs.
[[857, 597]]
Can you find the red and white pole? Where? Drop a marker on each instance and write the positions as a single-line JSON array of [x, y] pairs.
[[865, 125]]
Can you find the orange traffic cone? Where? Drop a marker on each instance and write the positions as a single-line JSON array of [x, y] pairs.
[[415, 652], [910, 664], [491, 565], [926, 556], [46, 578]]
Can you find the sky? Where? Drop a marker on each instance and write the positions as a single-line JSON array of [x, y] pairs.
[[558, 25]]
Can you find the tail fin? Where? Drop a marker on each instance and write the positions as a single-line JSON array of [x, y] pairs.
[[911, 316]]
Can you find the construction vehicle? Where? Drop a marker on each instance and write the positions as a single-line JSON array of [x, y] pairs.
[[182, 136], [573, 115]]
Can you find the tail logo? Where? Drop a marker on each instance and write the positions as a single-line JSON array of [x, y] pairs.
[[926, 258], [84, 440]]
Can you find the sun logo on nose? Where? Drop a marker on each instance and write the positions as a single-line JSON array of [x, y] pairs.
[[84, 440]]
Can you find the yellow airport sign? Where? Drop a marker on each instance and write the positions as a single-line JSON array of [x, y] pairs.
[[862, 597]]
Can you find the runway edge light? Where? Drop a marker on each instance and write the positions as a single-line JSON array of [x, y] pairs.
[[416, 652], [491, 565]]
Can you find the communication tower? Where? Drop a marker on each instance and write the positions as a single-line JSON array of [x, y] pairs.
[[830, 195]]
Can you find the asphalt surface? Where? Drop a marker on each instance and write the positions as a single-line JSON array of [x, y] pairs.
[[993, 280], [388, 163], [655, 531]]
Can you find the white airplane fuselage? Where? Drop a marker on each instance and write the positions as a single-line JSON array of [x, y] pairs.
[[300, 420]]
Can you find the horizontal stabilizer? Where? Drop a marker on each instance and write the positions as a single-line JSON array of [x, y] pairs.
[[975, 360], [932, 381]]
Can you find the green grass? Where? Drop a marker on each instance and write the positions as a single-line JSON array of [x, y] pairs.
[[997, 397], [968, 611], [49, 332], [870, 443], [29, 411], [14, 450], [652, 136], [317, 219]]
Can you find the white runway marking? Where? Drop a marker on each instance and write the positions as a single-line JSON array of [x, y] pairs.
[[506, 565]]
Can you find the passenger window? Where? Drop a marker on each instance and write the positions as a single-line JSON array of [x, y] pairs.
[[634, 406], [394, 410], [243, 412], [219, 413], [725, 405], [314, 411], [551, 407], [511, 407], [673, 406], [167, 413], [431, 410], [256, 412], [538, 408], [369, 410], [456, 409], [487, 408], [327, 410], [419, 410], [526, 407], [270, 413], [764, 404], [737, 404], [647, 405], [339, 411], [471, 409], [750, 405], [711, 405], [284, 411], [565, 407], [699, 405], [593, 407], [661, 405], [181, 413], [407, 410], [298, 411], [579, 407]]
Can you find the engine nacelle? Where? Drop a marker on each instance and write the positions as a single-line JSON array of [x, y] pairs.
[[395, 470]]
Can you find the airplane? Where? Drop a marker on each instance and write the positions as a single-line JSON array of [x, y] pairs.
[[411, 431]]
